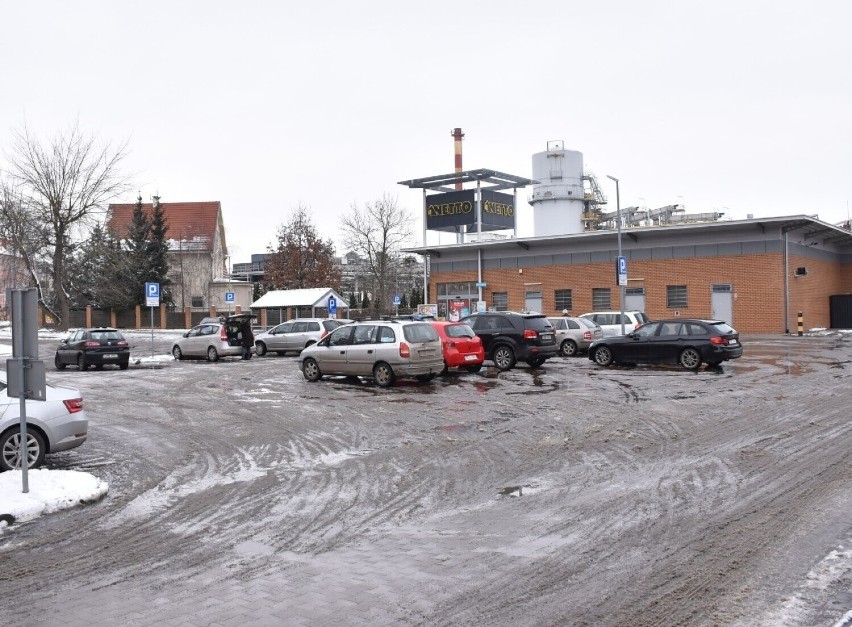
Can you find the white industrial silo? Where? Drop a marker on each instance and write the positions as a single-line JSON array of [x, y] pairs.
[[558, 200]]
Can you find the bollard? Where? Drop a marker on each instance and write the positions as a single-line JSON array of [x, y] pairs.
[[801, 320]]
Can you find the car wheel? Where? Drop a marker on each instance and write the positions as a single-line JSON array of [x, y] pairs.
[[10, 449], [714, 364], [690, 359], [212, 354], [444, 370], [383, 375], [311, 369], [603, 356], [504, 358], [425, 378], [259, 349], [177, 353], [99, 367], [568, 348], [59, 365], [124, 365], [535, 363], [475, 368], [81, 362]]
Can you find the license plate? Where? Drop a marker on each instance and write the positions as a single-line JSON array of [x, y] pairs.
[[732, 342], [470, 357], [546, 336], [110, 356]]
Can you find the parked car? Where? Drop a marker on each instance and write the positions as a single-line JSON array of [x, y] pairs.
[[212, 340], [461, 347], [294, 335], [610, 321], [574, 335], [57, 423], [509, 337], [383, 350], [687, 342], [93, 347]]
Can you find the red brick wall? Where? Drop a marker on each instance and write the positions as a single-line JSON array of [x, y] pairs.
[[758, 286]]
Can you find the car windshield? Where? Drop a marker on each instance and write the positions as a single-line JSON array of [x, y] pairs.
[[538, 324], [420, 332], [589, 323], [724, 328], [459, 330]]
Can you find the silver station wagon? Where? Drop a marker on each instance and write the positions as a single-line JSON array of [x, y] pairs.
[[293, 335], [381, 350]]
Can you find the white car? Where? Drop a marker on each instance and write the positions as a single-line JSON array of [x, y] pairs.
[[294, 335], [55, 424], [610, 321]]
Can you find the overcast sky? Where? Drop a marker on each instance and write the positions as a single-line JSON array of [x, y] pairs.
[[734, 106]]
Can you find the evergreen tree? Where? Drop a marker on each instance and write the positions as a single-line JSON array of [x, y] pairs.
[[157, 251], [403, 303], [138, 268], [365, 302]]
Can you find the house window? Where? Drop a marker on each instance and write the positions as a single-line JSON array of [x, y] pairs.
[[500, 301], [676, 296], [563, 300], [601, 298], [198, 301]]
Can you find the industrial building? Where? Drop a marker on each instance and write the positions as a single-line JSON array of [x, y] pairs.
[[758, 274]]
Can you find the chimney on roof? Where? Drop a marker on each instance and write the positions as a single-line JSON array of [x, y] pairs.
[[156, 202]]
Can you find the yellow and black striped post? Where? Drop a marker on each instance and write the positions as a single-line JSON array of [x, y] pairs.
[[801, 321]]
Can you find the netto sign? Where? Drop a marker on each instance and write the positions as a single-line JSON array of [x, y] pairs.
[[453, 210]]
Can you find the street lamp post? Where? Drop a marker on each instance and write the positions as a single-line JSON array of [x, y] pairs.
[[618, 218]]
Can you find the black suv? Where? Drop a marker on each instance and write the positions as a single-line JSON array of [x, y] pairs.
[[509, 337], [93, 347]]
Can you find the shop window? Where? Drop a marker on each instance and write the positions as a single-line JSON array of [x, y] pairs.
[[676, 296], [563, 300], [601, 298]]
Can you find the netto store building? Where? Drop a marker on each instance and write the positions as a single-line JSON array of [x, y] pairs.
[[757, 274]]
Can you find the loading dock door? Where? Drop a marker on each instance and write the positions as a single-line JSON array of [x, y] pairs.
[[634, 299], [840, 307], [722, 302]]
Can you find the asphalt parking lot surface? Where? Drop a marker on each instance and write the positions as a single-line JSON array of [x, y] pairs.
[[568, 494]]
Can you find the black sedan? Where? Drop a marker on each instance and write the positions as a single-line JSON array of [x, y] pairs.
[[681, 341], [93, 347]]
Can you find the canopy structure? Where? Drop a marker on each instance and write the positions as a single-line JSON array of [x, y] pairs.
[[315, 298]]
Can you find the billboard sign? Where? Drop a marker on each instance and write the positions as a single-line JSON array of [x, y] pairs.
[[453, 210]]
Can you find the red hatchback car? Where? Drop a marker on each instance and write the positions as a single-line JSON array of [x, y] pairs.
[[461, 346]]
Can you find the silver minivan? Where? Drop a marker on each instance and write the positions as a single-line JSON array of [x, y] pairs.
[[610, 321], [293, 335], [381, 350]]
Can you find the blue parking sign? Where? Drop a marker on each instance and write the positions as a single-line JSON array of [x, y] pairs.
[[230, 297], [152, 294], [332, 305]]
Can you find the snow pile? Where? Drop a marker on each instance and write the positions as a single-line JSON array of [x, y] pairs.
[[49, 491]]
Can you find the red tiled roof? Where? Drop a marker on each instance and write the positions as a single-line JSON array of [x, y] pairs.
[[189, 221]]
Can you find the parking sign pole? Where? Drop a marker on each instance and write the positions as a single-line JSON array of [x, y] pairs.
[[18, 321], [152, 333]]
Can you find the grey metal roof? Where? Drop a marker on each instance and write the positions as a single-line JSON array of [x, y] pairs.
[[828, 233], [493, 179]]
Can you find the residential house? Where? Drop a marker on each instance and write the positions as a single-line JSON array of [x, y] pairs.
[[197, 253]]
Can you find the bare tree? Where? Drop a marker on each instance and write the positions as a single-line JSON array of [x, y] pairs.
[[302, 259], [376, 232], [62, 183]]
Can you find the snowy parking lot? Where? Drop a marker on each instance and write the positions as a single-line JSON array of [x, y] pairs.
[[568, 494]]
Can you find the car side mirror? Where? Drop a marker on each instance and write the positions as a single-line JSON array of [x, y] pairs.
[[186, 334], [65, 341]]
